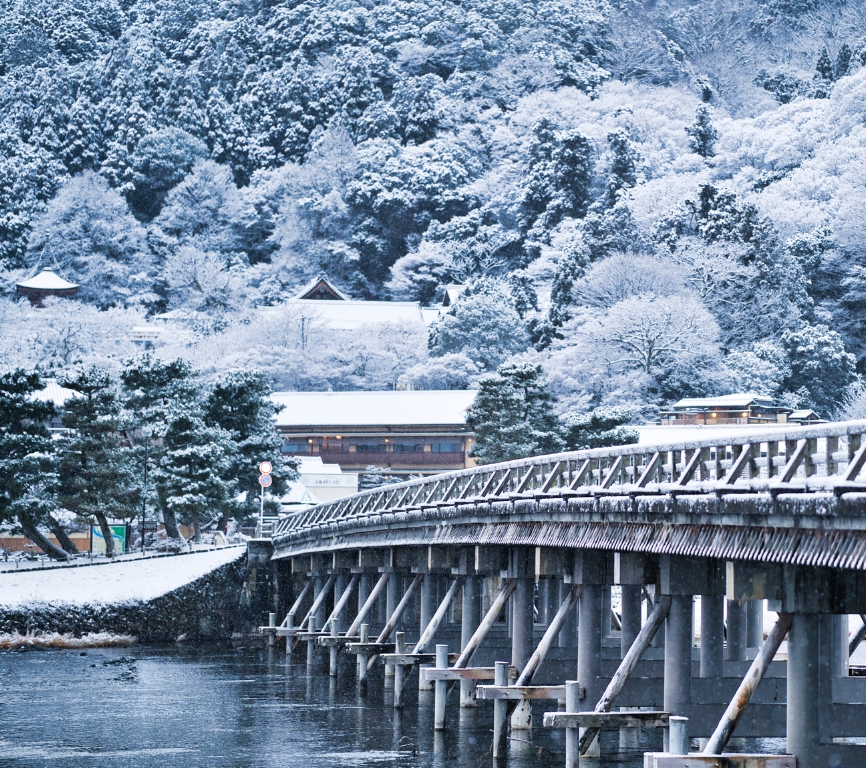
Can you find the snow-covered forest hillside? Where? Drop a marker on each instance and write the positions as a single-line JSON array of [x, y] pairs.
[[649, 199]]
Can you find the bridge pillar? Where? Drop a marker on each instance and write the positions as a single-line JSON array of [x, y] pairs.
[[679, 576], [712, 636], [754, 623], [804, 703], [631, 616], [568, 634], [470, 619], [678, 656], [736, 631], [522, 567], [392, 597], [339, 587]]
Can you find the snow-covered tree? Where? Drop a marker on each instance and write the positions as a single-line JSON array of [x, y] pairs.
[[88, 235], [238, 403], [702, 134], [98, 476], [512, 415], [28, 474], [600, 428], [483, 325]]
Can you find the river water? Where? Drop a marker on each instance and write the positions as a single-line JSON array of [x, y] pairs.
[[231, 708]]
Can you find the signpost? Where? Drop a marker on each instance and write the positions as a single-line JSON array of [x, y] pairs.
[[265, 480]]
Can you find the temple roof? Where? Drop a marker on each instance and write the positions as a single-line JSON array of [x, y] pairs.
[[47, 280]]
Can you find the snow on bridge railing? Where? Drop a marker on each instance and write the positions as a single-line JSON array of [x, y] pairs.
[[827, 458]]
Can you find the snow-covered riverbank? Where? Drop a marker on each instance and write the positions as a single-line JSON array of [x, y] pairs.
[[111, 582]]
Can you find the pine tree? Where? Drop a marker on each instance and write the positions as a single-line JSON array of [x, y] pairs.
[[28, 476], [623, 165], [97, 475], [540, 182], [843, 61], [193, 478], [824, 67], [524, 297], [512, 415], [152, 387], [571, 267], [572, 171], [601, 428], [702, 134], [239, 403], [820, 366]]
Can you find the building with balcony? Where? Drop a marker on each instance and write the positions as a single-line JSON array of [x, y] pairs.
[[726, 409], [408, 432]]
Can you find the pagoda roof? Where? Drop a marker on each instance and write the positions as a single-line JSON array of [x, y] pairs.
[[319, 289], [47, 280]]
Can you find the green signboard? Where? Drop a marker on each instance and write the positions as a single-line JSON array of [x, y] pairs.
[[97, 541]]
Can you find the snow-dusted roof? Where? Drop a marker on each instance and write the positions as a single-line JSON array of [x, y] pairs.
[[731, 401], [452, 293], [298, 493], [366, 409], [348, 315], [326, 284], [802, 414], [653, 434], [313, 465], [54, 393], [47, 280]]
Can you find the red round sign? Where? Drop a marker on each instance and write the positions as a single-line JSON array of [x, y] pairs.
[[265, 481]]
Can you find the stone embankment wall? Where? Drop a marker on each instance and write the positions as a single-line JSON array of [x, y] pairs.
[[212, 607]]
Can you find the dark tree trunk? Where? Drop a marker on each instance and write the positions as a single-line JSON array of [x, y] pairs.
[[43, 542], [196, 528], [62, 537], [171, 529], [106, 533]]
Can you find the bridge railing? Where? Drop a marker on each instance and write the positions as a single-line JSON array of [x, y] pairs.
[[826, 458]]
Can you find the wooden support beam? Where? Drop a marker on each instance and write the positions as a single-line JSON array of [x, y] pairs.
[[290, 616], [317, 602], [368, 604], [550, 635], [519, 693], [717, 742], [364, 649], [649, 469], [395, 617], [465, 673], [430, 630], [408, 659], [486, 623], [341, 603], [596, 720], [627, 665]]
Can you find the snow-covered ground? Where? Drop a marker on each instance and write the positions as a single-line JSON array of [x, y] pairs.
[[111, 582]]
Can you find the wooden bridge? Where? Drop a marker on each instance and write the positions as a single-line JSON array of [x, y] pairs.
[[530, 554]]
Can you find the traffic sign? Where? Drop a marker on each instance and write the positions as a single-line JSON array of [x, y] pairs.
[[265, 481], [266, 468]]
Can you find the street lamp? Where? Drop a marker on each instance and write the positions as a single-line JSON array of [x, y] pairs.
[[146, 432]]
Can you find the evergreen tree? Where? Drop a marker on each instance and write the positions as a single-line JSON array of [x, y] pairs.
[[27, 461], [571, 267], [523, 294], [600, 428], [623, 165], [843, 61], [193, 478], [98, 478], [702, 134], [239, 403], [512, 415], [152, 387], [824, 67], [820, 366], [572, 177], [540, 180]]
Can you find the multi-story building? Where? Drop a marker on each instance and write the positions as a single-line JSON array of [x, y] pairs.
[[408, 432]]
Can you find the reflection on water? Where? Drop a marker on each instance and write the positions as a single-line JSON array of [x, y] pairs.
[[224, 708]]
